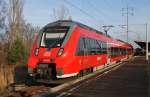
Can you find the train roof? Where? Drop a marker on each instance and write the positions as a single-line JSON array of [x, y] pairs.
[[71, 23], [123, 42]]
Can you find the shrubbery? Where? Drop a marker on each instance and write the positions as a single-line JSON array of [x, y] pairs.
[[17, 54]]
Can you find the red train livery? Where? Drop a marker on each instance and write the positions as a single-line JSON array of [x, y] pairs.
[[66, 48]]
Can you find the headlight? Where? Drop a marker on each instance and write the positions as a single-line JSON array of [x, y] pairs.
[[60, 52], [38, 70], [36, 52], [31, 74]]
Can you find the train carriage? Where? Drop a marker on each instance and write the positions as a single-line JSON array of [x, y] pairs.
[[66, 48]]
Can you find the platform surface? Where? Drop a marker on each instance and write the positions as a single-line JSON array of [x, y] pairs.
[[129, 80]]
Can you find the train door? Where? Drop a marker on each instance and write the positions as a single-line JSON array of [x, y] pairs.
[[85, 55], [82, 52], [127, 54], [108, 54]]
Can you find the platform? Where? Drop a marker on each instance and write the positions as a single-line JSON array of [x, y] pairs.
[[129, 80]]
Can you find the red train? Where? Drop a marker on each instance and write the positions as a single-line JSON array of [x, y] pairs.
[[66, 48]]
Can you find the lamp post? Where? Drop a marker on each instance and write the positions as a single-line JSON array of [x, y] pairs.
[[146, 43]]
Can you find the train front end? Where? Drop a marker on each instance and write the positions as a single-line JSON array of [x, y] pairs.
[[47, 56]]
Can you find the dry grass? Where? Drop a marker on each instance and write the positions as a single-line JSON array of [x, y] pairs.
[[6, 76]]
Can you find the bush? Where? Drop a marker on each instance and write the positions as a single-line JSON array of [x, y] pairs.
[[17, 53]]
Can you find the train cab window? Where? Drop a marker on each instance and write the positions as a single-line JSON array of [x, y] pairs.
[[80, 47], [53, 36]]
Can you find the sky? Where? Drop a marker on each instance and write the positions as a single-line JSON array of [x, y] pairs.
[[94, 13]]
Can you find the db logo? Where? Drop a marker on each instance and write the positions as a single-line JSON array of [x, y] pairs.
[[99, 58], [47, 53]]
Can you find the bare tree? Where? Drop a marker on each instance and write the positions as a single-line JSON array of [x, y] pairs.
[[29, 32], [15, 18], [3, 11], [3, 14], [60, 13]]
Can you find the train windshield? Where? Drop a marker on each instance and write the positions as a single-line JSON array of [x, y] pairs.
[[53, 36]]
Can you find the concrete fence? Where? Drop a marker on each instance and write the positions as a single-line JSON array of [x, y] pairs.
[[6, 76], [10, 75]]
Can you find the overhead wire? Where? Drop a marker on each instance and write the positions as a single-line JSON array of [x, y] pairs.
[[101, 12], [82, 11], [93, 6]]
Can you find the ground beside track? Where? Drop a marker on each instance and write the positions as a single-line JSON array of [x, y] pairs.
[[130, 80]]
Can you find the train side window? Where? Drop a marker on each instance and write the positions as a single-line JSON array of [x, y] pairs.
[[120, 52], [124, 51], [99, 47], [115, 51], [127, 51], [93, 47], [111, 49], [104, 48], [80, 47], [87, 42], [90, 47]]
